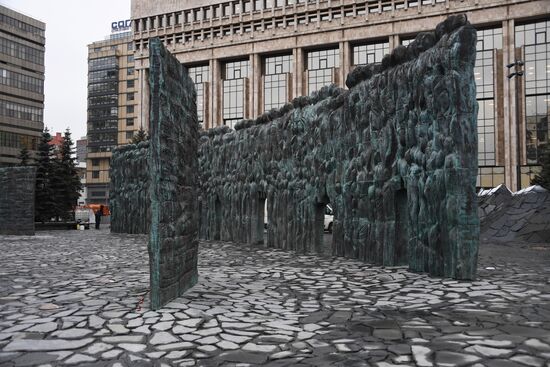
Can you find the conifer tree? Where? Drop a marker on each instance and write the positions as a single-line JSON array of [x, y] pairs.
[[140, 136], [24, 156], [68, 177], [543, 178], [44, 194]]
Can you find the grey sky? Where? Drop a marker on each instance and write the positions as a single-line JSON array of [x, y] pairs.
[[71, 25]]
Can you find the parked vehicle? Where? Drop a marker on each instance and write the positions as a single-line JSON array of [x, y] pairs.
[[85, 214], [329, 218]]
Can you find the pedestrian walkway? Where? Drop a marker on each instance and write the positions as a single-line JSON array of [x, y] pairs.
[[80, 298]]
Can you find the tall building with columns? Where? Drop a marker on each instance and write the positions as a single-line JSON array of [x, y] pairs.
[[249, 56]]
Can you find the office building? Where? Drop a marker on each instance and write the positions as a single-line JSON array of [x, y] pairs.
[[248, 56], [111, 108], [81, 150], [22, 46]]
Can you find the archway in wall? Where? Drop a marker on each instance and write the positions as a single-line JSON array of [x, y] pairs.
[[323, 227], [260, 219]]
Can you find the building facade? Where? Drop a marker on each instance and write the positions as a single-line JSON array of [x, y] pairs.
[[22, 46], [81, 150], [111, 109], [248, 56]]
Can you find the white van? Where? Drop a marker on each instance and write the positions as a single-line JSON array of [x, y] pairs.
[[329, 218]]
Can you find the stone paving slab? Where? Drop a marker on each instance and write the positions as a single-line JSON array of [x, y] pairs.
[[79, 298]]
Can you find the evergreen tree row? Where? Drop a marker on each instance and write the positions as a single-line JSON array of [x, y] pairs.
[[57, 181]]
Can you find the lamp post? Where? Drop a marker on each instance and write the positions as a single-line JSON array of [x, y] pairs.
[[518, 73]]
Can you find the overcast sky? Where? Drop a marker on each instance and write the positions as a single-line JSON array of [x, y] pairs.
[[71, 25]]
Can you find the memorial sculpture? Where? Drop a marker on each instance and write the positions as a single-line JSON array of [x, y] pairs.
[[129, 189], [17, 187], [173, 185], [395, 156]]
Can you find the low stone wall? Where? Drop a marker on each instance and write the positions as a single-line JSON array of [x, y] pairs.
[[395, 156], [17, 187], [129, 194]]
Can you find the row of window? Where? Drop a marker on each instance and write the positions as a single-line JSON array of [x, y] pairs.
[[98, 113], [104, 87], [20, 51], [107, 62], [266, 24], [103, 124], [21, 81], [104, 138], [14, 140], [106, 100], [247, 6], [102, 75], [21, 111], [276, 81], [22, 26]]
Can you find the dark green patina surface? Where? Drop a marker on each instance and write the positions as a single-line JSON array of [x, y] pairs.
[[395, 156], [129, 199], [173, 168]]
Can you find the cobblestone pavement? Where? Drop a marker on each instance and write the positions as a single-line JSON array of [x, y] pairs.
[[73, 298]]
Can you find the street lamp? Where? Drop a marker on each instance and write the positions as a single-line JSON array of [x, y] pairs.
[[518, 74]]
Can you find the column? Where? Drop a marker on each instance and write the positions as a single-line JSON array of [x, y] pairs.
[[216, 85], [298, 72], [256, 80], [510, 113], [393, 42], [142, 88], [345, 63]]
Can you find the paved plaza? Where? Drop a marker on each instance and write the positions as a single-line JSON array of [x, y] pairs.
[[80, 298]]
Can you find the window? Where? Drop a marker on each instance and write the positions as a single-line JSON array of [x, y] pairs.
[[487, 41], [233, 91], [129, 135], [199, 75], [95, 174], [130, 58], [197, 15], [130, 96], [130, 46], [276, 72], [130, 121], [130, 71], [130, 83], [129, 109], [226, 9], [320, 65], [95, 162], [370, 54]]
